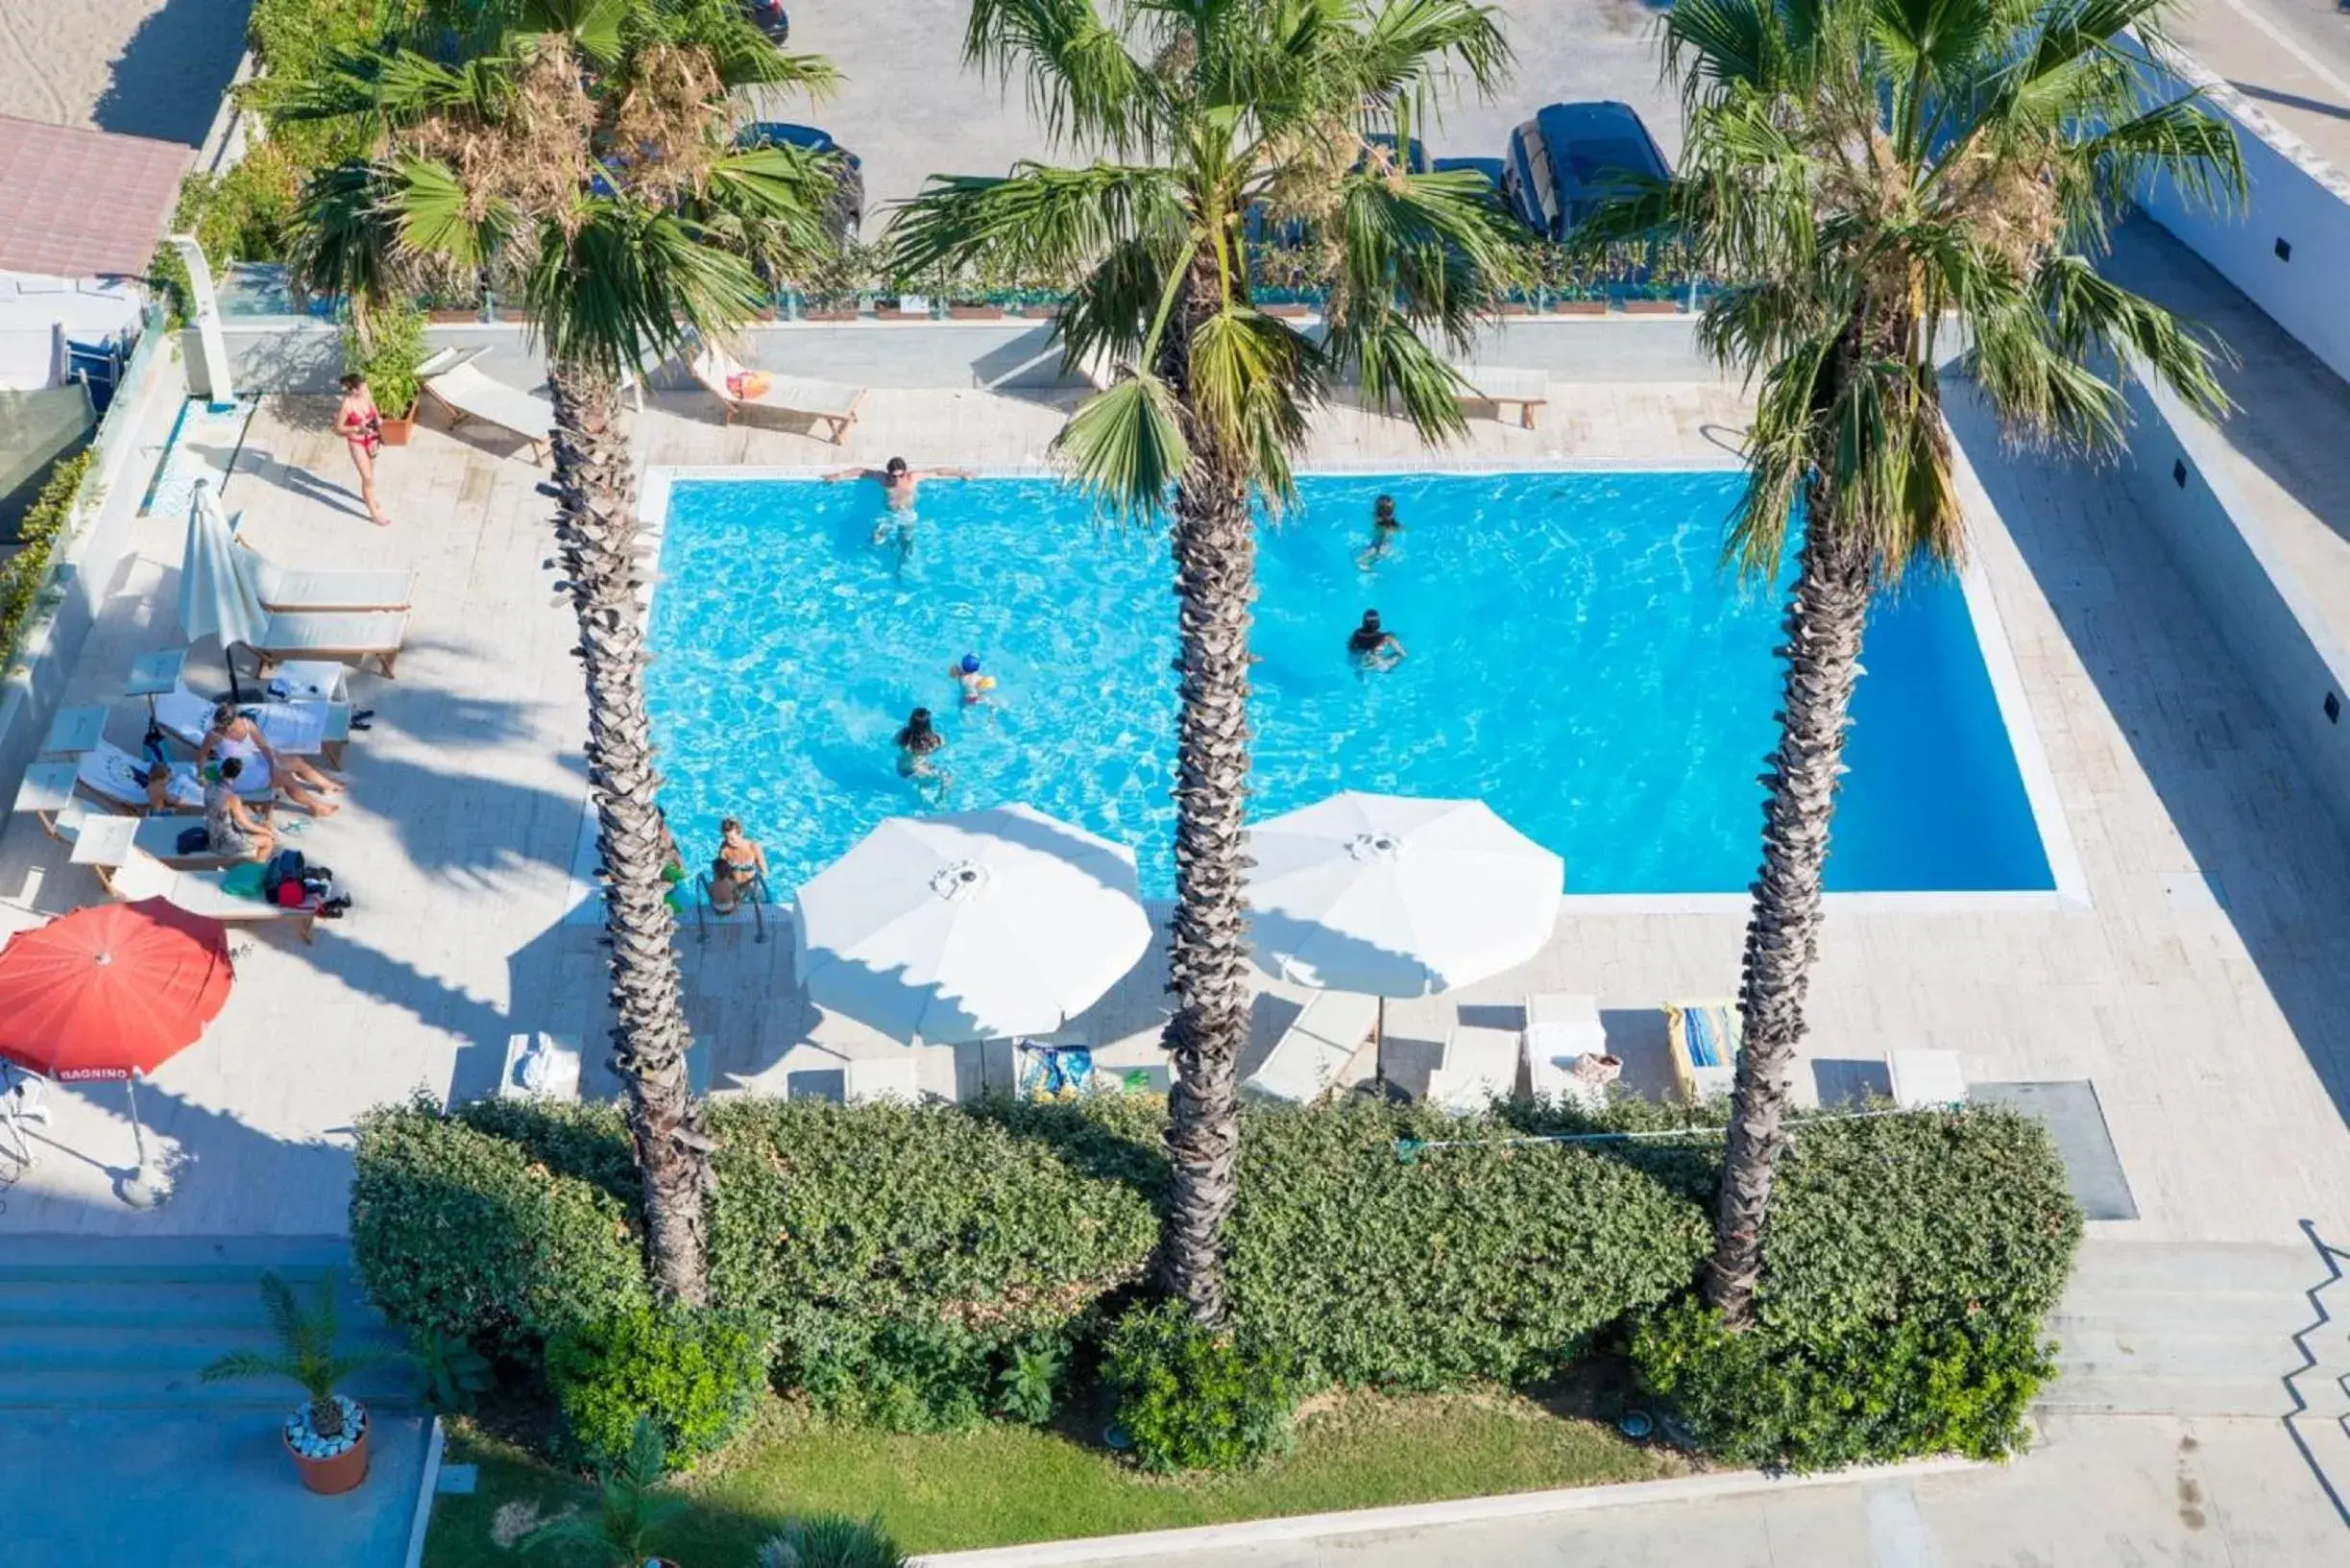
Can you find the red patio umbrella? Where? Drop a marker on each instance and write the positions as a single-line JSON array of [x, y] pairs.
[[110, 992]]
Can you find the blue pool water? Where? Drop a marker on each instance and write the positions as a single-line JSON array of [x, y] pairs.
[[1576, 659]]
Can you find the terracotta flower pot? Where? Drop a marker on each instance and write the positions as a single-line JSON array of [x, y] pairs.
[[1652, 307], [339, 1474], [1579, 308], [828, 313], [397, 429], [1290, 312], [976, 313], [891, 313]]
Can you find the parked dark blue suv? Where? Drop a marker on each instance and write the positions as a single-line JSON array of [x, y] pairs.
[[1565, 159]]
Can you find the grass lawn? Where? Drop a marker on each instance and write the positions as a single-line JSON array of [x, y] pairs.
[[1003, 1484]]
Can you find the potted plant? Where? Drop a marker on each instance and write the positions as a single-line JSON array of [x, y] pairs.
[[976, 294], [327, 1433], [630, 1510], [1567, 283], [386, 343]]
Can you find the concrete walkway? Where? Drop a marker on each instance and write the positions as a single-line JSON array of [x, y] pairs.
[[2128, 1492]]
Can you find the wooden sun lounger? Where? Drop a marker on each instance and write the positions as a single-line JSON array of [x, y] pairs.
[[278, 587], [1317, 1047], [351, 635], [1479, 1067], [465, 395], [199, 892], [829, 403], [1501, 386], [1703, 1039], [1559, 1030]]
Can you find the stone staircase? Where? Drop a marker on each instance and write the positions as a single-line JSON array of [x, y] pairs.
[[129, 1323], [2247, 1331]]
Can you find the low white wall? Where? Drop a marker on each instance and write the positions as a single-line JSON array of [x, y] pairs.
[[89, 555], [2288, 251], [2174, 470], [295, 354]]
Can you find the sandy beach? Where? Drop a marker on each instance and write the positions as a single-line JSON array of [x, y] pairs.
[[141, 68]]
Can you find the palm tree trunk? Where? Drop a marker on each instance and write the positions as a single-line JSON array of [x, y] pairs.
[[1825, 613], [1215, 557], [596, 527]]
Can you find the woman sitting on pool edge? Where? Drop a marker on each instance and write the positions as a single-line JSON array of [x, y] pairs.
[[740, 867], [1371, 646], [916, 742]]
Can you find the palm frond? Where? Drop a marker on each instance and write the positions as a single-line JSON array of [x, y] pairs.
[[1397, 371], [1081, 82], [627, 284], [1038, 218], [1124, 447]]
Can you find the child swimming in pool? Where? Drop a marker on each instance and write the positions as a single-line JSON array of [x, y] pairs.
[[917, 743], [974, 686], [1373, 647], [1386, 531]]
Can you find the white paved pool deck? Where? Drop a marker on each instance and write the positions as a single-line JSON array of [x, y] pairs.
[[2213, 1026]]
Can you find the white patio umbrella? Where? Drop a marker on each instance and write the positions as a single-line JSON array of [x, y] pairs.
[[971, 926], [216, 598], [1397, 896]]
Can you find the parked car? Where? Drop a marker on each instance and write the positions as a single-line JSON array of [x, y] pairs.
[[1569, 156], [848, 210], [1489, 167], [771, 18]]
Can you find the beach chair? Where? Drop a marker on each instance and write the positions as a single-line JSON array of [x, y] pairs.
[[1319, 1044], [105, 840], [280, 588], [1560, 1031], [351, 635], [1498, 386], [866, 1078], [829, 403], [112, 776], [540, 1066], [1479, 1067], [1049, 1065], [755, 897], [467, 395], [1926, 1079], [298, 729], [1702, 1044], [201, 893]]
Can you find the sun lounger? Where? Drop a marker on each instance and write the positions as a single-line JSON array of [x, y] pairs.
[[105, 772], [1479, 1067], [794, 397], [540, 1066], [1317, 1047], [466, 394], [1500, 386], [1926, 1079], [200, 893], [106, 841], [1560, 1031], [280, 588], [351, 635], [298, 729], [1702, 1039]]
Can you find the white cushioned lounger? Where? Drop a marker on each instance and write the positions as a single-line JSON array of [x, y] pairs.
[[280, 588]]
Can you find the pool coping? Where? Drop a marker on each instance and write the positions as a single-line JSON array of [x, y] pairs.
[[2071, 890]]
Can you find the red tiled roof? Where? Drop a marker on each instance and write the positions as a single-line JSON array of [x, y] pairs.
[[80, 204]]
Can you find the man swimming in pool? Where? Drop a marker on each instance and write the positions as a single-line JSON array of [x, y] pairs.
[[1373, 647], [899, 485]]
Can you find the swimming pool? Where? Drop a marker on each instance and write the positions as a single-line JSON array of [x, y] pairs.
[[1575, 658]]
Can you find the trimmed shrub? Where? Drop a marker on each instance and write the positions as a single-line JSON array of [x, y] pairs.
[[463, 1230], [1194, 1399], [1910, 1265], [907, 1255], [830, 1540], [695, 1373], [1458, 1264]]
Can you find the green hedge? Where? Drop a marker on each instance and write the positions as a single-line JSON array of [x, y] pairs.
[[1910, 1264], [1461, 1265], [21, 577], [906, 1256], [459, 1225]]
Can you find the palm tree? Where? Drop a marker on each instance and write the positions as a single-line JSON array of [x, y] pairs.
[[1879, 180], [1197, 115], [579, 154], [305, 1353], [630, 1508]]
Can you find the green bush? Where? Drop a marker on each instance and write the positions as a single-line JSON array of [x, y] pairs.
[[695, 1373], [1461, 1264], [1192, 1398], [830, 1540], [388, 354], [51, 508], [1910, 1264], [468, 1232], [908, 1255]]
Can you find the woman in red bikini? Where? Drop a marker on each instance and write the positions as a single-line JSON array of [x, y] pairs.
[[361, 427]]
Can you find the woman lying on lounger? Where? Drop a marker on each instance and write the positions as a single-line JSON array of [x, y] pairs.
[[234, 735]]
